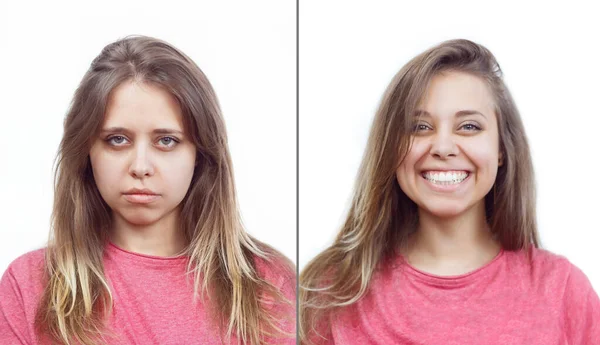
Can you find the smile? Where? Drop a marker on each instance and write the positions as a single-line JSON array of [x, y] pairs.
[[445, 178]]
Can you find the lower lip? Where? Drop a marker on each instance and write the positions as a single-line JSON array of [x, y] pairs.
[[141, 198], [448, 187]]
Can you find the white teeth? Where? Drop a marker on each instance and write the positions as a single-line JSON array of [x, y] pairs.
[[446, 178]]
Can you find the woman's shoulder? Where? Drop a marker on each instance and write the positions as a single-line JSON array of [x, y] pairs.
[[539, 261], [27, 267], [279, 272], [21, 286], [554, 271], [275, 267], [579, 304]]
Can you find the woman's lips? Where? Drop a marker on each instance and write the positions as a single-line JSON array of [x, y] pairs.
[[141, 198]]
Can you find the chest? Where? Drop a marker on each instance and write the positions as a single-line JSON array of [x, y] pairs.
[[480, 317], [159, 309]]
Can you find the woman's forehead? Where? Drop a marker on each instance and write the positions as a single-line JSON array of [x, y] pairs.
[[143, 107], [456, 94]]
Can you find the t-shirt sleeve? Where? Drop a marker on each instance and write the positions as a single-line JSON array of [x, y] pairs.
[[321, 334], [288, 311], [13, 321], [284, 312], [582, 310]]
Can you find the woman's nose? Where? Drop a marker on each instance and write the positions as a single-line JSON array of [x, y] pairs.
[[141, 164], [443, 146]]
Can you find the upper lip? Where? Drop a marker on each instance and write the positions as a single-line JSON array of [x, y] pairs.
[[139, 191]]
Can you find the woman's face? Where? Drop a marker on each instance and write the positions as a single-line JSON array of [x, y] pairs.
[[454, 157], [142, 145]]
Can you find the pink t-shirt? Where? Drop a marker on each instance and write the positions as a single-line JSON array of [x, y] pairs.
[[508, 301], [152, 300]]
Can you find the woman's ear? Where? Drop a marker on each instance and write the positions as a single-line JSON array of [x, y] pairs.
[[500, 159]]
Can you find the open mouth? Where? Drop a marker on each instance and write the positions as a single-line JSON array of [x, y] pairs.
[[446, 178]]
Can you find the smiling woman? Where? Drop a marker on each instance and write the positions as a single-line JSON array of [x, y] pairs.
[[147, 245], [440, 245]]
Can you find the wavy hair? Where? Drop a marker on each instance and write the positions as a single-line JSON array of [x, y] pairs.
[[381, 216], [77, 298]]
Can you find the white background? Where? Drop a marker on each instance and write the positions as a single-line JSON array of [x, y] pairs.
[[247, 50], [349, 52]]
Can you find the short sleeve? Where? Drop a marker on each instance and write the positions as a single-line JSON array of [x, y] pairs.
[[284, 312], [288, 324], [321, 334], [581, 310], [13, 321]]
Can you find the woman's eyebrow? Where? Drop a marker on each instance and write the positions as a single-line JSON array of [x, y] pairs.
[[156, 131], [460, 113]]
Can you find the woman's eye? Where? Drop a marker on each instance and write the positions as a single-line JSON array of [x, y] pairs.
[[169, 141], [420, 127], [471, 127], [116, 140]]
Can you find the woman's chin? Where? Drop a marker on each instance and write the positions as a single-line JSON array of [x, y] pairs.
[[445, 210], [140, 217]]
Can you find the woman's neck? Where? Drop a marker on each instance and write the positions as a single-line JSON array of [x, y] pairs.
[[161, 238], [452, 245]]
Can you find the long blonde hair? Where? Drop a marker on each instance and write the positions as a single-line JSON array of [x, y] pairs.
[[381, 216], [77, 298]]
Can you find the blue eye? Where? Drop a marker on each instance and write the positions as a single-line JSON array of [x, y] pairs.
[[471, 127], [119, 140], [168, 141]]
